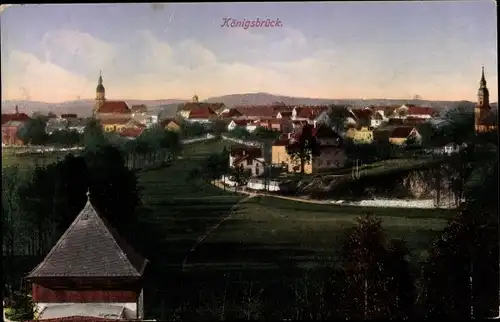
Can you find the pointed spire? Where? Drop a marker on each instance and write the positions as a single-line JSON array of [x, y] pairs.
[[100, 77], [88, 194], [483, 79]]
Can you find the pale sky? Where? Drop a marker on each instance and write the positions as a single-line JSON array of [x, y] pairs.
[[339, 50]]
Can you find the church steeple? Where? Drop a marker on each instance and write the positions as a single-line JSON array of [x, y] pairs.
[[100, 96], [483, 95], [482, 82]]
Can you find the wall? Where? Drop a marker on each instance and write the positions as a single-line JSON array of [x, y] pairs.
[[398, 141], [330, 158], [41, 294]]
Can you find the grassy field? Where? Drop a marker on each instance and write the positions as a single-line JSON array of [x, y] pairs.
[[27, 161], [263, 231]]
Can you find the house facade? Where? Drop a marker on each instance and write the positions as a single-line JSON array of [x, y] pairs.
[[332, 154], [9, 133], [90, 270], [249, 158], [362, 135]]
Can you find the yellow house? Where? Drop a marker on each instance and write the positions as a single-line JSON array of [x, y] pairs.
[[171, 125], [114, 125], [363, 135], [332, 155], [401, 134]]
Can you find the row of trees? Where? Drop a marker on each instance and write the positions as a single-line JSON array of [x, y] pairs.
[[33, 132], [154, 145]]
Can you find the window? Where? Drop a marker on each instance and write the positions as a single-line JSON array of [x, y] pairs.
[[250, 161], [257, 170]]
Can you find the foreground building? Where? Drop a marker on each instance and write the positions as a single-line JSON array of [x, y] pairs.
[[91, 272]]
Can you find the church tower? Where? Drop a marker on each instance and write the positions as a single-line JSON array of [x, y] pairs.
[[483, 102], [100, 97]]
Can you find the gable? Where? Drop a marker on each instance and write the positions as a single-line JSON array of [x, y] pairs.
[[90, 248]]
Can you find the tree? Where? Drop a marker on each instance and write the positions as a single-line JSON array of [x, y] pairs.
[[240, 133], [371, 271], [303, 147], [33, 132], [93, 134], [192, 129], [461, 275], [401, 283], [337, 118], [261, 133], [218, 127], [113, 187]]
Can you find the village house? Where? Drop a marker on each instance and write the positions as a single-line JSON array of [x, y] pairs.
[[90, 272], [413, 111], [359, 117], [114, 124], [332, 154], [311, 114], [171, 124], [77, 125], [276, 124], [250, 158], [401, 134], [202, 114], [9, 132], [360, 135], [229, 113], [238, 123]]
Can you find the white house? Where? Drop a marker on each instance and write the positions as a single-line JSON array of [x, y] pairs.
[[250, 158], [237, 123]]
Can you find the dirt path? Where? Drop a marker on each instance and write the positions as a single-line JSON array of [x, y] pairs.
[[218, 184], [230, 214]]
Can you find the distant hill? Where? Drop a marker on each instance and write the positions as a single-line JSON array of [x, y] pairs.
[[266, 98], [169, 106]]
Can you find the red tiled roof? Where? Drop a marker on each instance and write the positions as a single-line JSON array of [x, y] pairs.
[[281, 142], [14, 117], [231, 113], [362, 114], [123, 120], [114, 107], [257, 111], [201, 112], [241, 122], [131, 132], [139, 108], [419, 110], [285, 114], [189, 106], [401, 132]]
